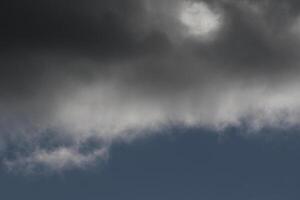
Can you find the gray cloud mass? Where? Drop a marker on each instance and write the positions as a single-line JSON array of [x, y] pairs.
[[110, 70]]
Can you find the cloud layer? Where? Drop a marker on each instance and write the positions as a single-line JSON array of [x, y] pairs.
[[113, 70]]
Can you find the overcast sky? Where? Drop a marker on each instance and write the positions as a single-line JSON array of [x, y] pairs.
[[78, 77]]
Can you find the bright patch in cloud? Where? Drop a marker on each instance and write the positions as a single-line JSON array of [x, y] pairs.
[[199, 19]]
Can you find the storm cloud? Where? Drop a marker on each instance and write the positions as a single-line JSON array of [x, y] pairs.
[[111, 70]]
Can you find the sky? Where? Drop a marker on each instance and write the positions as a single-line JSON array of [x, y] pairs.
[[148, 99], [194, 164]]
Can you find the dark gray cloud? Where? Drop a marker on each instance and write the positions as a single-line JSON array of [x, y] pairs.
[[112, 69]]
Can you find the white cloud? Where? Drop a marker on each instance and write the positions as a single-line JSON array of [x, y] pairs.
[[112, 111], [58, 159], [199, 19]]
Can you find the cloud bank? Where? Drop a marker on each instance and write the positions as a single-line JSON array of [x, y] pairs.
[[111, 70]]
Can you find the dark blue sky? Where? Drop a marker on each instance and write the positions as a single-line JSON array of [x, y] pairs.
[[194, 165]]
